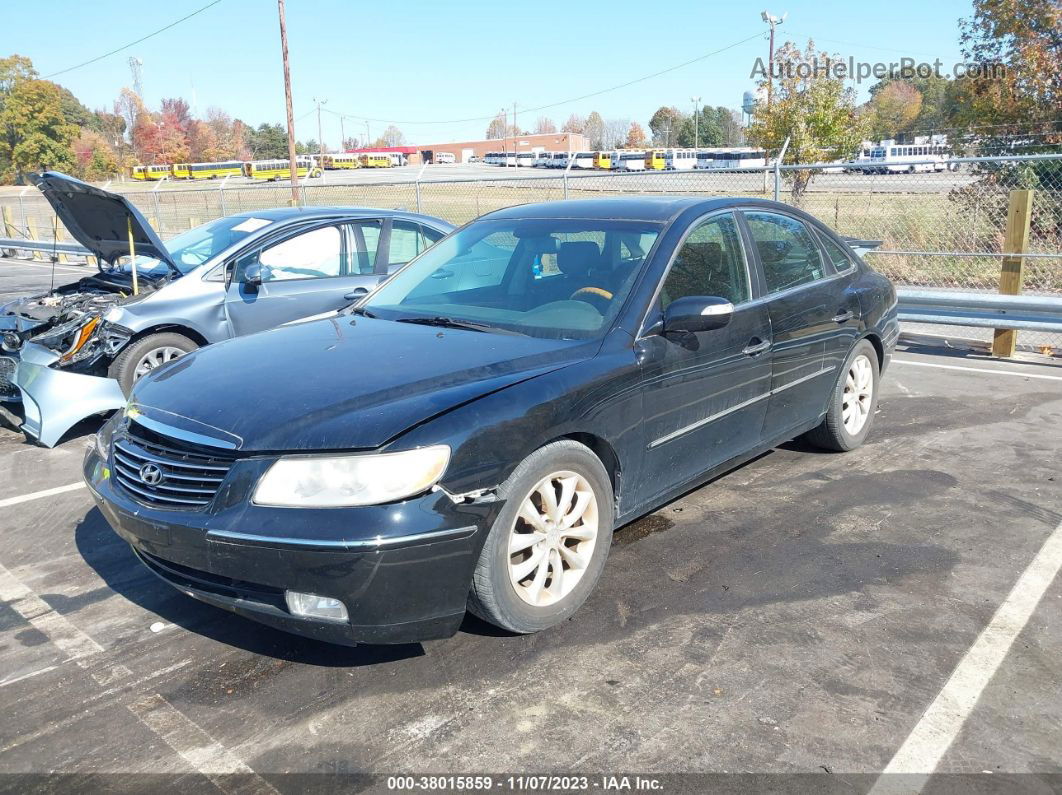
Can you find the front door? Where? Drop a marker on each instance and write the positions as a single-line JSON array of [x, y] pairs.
[[313, 272], [806, 303], [705, 394]]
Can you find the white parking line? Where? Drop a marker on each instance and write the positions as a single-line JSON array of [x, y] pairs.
[[74, 643], [978, 370], [934, 733], [36, 495], [199, 749]]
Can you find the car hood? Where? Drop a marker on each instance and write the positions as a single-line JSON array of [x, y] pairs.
[[341, 383], [101, 221]]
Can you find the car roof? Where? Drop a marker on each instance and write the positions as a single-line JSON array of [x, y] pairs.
[[634, 208], [310, 213]]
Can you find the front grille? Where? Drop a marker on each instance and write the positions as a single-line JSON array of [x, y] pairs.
[[7, 378], [167, 473], [184, 576]]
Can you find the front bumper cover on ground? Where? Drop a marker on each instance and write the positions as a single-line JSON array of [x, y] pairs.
[[55, 400]]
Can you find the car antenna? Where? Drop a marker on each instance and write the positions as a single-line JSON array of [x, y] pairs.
[[132, 252]]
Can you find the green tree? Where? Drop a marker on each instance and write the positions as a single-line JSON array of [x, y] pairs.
[[34, 135], [702, 129], [893, 110], [813, 110], [268, 142], [665, 125]]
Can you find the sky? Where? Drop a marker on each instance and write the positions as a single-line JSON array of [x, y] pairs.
[[427, 66]]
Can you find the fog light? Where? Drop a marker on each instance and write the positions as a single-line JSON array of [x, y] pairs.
[[310, 605]]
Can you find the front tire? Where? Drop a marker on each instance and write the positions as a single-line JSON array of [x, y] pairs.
[[146, 354], [549, 544], [853, 402]]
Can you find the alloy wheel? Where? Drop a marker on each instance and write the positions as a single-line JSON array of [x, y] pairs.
[[155, 358], [858, 393], [553, 538]]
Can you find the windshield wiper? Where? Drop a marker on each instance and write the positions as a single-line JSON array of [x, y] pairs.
[[467, 325], [362, 311]]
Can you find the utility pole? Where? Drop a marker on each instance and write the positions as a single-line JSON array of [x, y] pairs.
[[287, 102], [368, 135], [696, 122], [342, 135], [774, 22], [320, 135], [516, 133]]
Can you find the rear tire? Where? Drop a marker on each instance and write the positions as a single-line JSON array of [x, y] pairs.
[[146, 354], [545, 553], [853, 401]]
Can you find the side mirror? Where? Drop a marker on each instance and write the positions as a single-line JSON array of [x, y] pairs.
[[697, 313], [252, 276]]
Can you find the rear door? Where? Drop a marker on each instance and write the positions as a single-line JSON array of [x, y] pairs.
[[312, 272], [808, 307], [408, 240], [705, 393]]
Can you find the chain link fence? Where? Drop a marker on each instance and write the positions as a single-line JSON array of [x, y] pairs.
[[941, 225]]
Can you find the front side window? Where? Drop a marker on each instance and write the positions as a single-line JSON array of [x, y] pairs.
[[312, 255], [709, 263], [787, 250], [555, 278]]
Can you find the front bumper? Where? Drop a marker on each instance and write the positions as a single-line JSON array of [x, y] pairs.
[[402, 570], [55, 400]]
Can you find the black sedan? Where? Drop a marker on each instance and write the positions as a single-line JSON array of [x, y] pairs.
[[469, 435]]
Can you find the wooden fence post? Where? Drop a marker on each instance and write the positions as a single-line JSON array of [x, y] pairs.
[[31, 230], [1019, 214], [9, 224]]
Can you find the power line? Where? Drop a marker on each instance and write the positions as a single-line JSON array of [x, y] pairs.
[[563, 101], [132, 43]]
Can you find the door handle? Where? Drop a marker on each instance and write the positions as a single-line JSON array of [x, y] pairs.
[[357, 293], [756, 348], [844, 316]]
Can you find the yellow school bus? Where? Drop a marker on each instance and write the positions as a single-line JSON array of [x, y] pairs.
[[603, 160], [337, 161], [273, 170], [231, 168], [375, 160], [150, 172], [655, 160]]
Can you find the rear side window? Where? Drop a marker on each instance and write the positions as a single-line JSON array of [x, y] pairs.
[[787, 250], [840, 258]]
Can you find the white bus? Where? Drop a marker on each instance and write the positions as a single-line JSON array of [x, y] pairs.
[[582, 160], [443, 157], [525, 159], [542, 159], [735, 157], [680, 159], [931, 158], [629, 160]]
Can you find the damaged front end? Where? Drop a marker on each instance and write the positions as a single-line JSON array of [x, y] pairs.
[[56, 348]]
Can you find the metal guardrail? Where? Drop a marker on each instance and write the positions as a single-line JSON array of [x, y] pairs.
[[18, 244], [981, 310]]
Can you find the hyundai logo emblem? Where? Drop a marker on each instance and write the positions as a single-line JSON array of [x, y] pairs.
[[151, 474]]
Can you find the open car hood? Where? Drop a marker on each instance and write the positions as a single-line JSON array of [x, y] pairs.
[[100, 220]]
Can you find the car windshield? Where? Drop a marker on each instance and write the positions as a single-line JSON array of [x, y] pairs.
[[191, 249], [557, 278]]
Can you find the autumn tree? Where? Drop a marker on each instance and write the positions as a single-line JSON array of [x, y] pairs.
[[893, 110], [594, 129], [95, 156], [574, 124], [497, 127], [635, 136], [34, 134], [813, 110], [392, 136], [665, 125], [545, 125], [1017, 47]]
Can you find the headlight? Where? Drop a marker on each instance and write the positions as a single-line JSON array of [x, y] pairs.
[[70, 338], [350, 480]]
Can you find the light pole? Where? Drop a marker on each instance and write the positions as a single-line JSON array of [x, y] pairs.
[[696, 122], [287, 102], [774, 22]]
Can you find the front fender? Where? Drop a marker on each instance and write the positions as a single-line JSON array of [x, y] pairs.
[[55, 400]]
